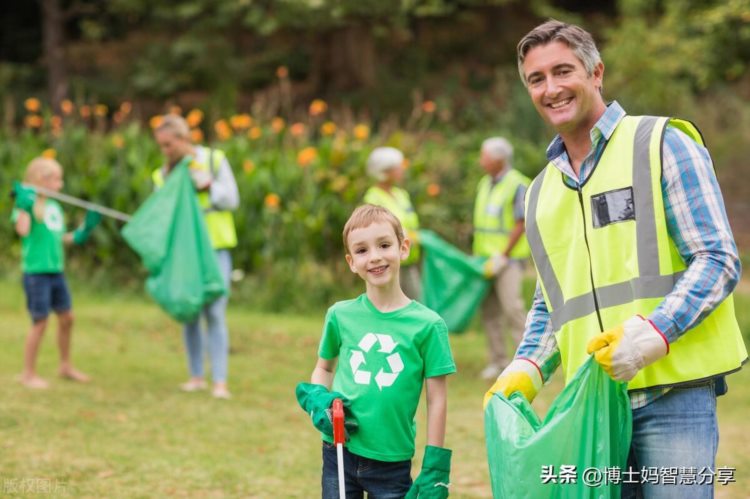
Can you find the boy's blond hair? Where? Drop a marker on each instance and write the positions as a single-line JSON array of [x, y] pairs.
[[176, 125], [366, 215], [39, 168]]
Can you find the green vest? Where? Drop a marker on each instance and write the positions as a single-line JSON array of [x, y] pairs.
[[603, 254], [397, 201], [493, 216], [220, 223]]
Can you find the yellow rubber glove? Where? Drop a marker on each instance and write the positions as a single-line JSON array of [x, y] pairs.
[[628, 348], [521, 375], [494, 265]]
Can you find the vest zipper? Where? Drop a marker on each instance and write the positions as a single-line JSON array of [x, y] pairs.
[[588, 251]]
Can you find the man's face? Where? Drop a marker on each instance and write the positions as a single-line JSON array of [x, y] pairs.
[[563, 93], [172, 147], [491, 165]]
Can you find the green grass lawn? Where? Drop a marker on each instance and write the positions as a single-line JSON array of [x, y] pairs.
[[131, 433]]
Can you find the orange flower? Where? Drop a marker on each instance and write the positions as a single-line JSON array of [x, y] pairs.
[[155, 121], [175, 110], [126, 107], [32, 105], [433, 189], [255, 133], [277, 124], [55, 121], [248, 166], [282, 72], [196, 135], [241, 121], [85, 111], [306, 156], [100, 110], [33, 121], [118, 117], [317, 107], [297, 129], [223, 131], [118, 141], [66, 107], [272, 201], [49, 153], [405, 163], [361, 132], [194, 117], [328, 128], [428, 106]]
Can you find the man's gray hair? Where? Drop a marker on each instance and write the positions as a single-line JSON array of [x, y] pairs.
[[499, 148], [579, 40], [176, 125]]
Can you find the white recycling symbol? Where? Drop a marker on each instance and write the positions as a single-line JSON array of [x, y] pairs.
[[382, 378]]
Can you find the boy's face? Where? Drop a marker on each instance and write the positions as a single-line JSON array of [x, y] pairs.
[[375, 253], [52, 179]]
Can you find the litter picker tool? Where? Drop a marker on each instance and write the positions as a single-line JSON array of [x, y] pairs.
[[339, 437], [109, 212]]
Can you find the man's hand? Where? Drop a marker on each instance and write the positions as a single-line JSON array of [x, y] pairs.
[[25, 196], [494, 265], [316, 401], [434, 479], [521, 375], [628, 348]]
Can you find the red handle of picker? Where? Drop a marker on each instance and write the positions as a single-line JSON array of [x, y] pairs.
[[339, 436]]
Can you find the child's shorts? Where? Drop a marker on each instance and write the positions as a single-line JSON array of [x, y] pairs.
[[45, 292]]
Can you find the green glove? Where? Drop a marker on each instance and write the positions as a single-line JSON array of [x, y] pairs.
[[25, 196], [316, 400], [82, 233], [434, 479]]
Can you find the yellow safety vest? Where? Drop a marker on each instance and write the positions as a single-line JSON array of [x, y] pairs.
[[493, 216], [219, 223], [603, 254], [397, 201]]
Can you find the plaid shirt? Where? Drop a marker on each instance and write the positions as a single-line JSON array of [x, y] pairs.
[[697, 223]]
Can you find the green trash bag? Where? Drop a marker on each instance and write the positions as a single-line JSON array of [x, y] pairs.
[[169, 234], [453, 283], [577, 452]]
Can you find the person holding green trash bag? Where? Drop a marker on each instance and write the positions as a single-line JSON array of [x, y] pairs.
[[218, 196], [385, 165], [499, 236], [636, 263]]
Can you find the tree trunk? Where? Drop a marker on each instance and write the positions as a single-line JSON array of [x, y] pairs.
[[53, 40], [344, 60]]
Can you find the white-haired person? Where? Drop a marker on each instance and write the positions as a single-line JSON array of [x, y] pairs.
[[385, 165], [218, 196], [499, 236]]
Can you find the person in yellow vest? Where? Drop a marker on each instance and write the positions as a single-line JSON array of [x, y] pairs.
[[385, 165], [217, 194], [499, 236], [636, 263]]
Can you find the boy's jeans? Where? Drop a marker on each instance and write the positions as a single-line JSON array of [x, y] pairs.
[[218, 336], [674, 443], [380, 479]]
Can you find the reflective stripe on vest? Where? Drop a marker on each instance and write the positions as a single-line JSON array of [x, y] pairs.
[[612, 234], [219, 223], [398, 203], [494, 218]]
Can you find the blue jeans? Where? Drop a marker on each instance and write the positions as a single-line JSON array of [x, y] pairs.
[[218, 336], [45, 292], [678, 433], [380, 479]]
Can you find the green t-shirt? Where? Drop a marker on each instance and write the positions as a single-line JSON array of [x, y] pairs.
[[383, 360], [42, 248]]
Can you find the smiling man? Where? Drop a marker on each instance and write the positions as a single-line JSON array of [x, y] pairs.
[[636, 262]]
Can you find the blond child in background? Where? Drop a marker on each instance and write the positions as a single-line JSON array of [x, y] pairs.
[[40, 223], [390, 346]]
